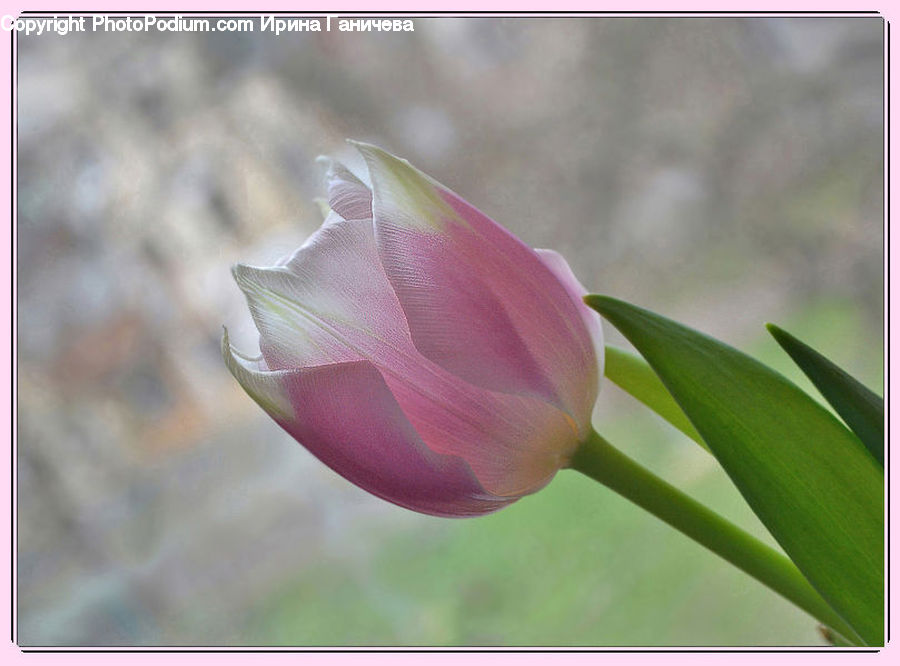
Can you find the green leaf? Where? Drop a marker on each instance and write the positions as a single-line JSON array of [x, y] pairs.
[[807, 477], [833, 638], [632, 374], [860, 408]]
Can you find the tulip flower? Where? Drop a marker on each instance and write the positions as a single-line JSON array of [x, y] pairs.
[[430, 357], [419, 349]]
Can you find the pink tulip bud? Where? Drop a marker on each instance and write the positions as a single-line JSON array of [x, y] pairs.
[[419, 349]]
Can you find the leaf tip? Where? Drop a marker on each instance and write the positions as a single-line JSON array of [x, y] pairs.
[[788, 342], [600, 303], [777, 332]]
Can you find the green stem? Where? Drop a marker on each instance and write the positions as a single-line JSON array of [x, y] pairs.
[[599, 460]]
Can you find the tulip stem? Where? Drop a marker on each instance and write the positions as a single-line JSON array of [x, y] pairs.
[[601, 461]]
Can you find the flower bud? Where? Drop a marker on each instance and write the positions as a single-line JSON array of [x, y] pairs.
[[419, 349]]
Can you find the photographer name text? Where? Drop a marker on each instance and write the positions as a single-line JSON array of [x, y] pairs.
[[272, 24]]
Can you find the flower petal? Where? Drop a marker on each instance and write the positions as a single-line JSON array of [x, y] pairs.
[[560, 267], [478, 301], [259, 383], [346, 416], [514, 444], [332, 303], [327, 303], [348, 196]]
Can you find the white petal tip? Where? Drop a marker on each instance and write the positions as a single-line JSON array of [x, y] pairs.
[[263, 386], [403, 195], [374, 156], [239, 272]]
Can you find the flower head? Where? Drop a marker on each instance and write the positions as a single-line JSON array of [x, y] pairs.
[[419, 349]]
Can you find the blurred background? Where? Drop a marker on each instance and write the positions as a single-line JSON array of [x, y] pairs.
[[723, 172]]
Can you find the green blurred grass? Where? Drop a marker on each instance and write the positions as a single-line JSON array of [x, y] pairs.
[[574, 564]]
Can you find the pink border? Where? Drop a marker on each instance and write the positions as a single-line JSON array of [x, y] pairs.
[[10, 651]]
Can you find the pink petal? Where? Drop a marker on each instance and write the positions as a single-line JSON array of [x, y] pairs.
[[514, 444], [479, 302], [348, 196], [346, 416], [560, 267], [329, 303], [332, 303]]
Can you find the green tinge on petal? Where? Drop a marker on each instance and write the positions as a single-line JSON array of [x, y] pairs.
[[403, 195], [279, 318], [264, 387]]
